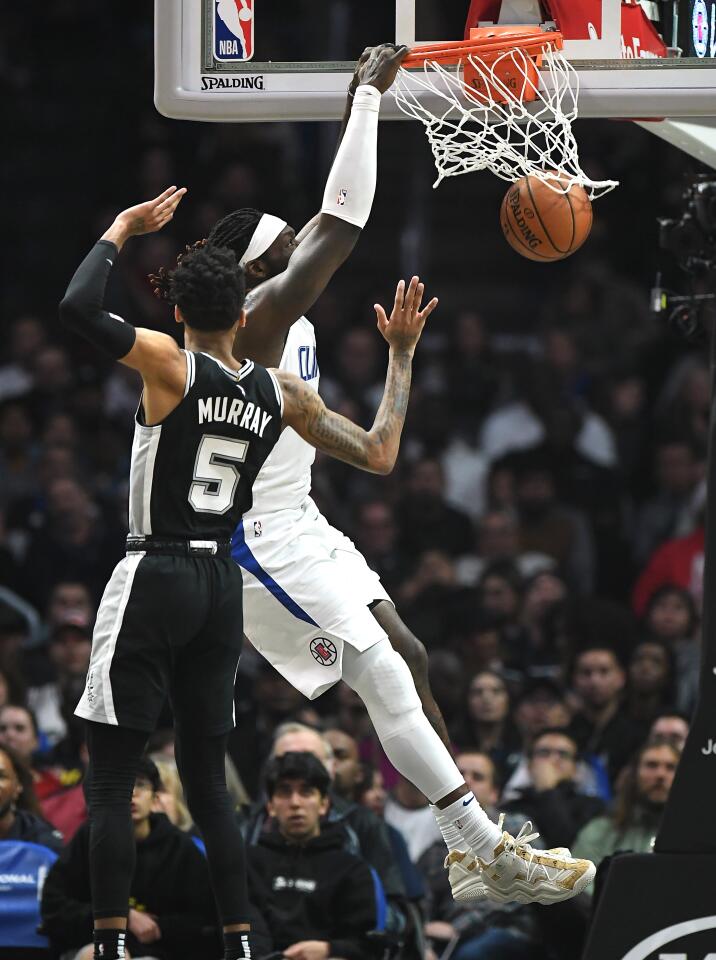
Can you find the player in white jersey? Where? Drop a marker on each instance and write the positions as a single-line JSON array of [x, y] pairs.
[[312, 606]]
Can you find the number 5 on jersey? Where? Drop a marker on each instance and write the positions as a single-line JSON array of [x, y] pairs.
[[216, 474]]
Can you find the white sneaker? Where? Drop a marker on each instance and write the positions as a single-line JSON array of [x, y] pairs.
[[519, 872], [465, 876]]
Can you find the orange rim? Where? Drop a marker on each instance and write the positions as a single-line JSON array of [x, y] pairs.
[[488, 43]]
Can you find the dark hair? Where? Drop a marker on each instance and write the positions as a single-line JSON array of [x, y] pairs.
[[28, 711], [28, 798], [668, 691], [208, 287], [554, 732], [148, 770], [235, 230], [683, 594], [590, 648], [15, 685], [296, 765], [503, 570], [368, 771]]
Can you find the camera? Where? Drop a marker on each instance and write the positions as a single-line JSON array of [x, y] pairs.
[[692, 242]]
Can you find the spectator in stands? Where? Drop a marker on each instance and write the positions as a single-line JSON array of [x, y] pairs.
[[28, 847], [552, 796], [433, 601], [270, 701], [26, 337], [11, 687], [18, 452], [377, 539], [319, 900], [347, 772], [544, 599], [498, 540], [640, 801], [20, 816], [69, 600], [75, 542], [488, 726], [548, 526], [601, 727], [671, 616], [172, 914], [500, 591], [69, 649], [482, 930], [670, 512], [651, 680], [672, 727], [170, 799], [678, 562], [364, 833], [426, 520], [369, 791], [58, 789], [408, 811]]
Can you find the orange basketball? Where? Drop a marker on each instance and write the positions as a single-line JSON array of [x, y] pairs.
[[543, 225]]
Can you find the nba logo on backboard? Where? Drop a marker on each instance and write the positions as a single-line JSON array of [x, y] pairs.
[[234, 30]]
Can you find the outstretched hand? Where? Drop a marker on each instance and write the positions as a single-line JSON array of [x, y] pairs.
[[152, 215], [402, 330], [380, 67]]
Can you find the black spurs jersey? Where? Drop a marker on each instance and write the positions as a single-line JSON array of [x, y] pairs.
[[191, 475]]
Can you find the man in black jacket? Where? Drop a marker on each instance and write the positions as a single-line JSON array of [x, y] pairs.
[[319, 900], [553, 799], [171, 911]]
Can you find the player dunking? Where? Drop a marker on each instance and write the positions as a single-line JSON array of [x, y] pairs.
[[312, 605], [170, 620]]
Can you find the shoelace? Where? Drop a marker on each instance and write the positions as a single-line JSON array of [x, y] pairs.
[[523, 840]]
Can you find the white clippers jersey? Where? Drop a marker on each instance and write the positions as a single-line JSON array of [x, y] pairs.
[[284, 481]]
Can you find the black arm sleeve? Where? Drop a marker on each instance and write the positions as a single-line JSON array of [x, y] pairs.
[[82, 307]]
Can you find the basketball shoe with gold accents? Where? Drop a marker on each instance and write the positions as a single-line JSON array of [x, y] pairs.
[[465, 876], [519, 872]]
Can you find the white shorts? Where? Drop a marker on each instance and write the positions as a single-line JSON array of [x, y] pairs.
[[307, 592]]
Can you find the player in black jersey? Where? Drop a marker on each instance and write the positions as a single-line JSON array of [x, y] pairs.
[[170, 620]]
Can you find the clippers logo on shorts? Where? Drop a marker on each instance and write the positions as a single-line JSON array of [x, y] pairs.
[[234, 30], [324, 651]]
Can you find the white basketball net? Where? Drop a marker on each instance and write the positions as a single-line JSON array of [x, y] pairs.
[[469, 132]]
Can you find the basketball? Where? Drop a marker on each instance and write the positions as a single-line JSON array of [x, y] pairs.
[[543, 225]]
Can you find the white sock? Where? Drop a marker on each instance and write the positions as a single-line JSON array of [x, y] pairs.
[[451, 835], [466, 818]]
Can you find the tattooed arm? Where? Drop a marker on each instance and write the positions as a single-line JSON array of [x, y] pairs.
[[374, 450]]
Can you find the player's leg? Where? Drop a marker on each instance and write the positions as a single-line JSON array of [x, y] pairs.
[[382, 679], [413, 651], [200, 761], [114, 754], [124, 693], [202, 691]]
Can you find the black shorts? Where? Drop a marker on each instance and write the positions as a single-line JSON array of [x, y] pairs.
[[167, 625]]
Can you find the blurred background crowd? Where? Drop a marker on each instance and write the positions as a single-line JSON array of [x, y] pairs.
[[542, 533]]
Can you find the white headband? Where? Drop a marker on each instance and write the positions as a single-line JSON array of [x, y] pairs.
[[267, 229]]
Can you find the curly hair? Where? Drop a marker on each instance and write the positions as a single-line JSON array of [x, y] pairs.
[[208, 287], [233, 231]]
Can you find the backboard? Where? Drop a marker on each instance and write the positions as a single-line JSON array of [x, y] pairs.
[[263, 60]]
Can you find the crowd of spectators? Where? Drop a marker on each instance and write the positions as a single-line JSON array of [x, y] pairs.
[[543, 533]]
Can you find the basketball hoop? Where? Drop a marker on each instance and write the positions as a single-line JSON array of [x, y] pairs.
[[484, 105]]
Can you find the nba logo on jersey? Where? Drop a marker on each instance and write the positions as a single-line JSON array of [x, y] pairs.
[[234, 30]]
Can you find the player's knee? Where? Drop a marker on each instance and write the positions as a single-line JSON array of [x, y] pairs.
[[381, 677]]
